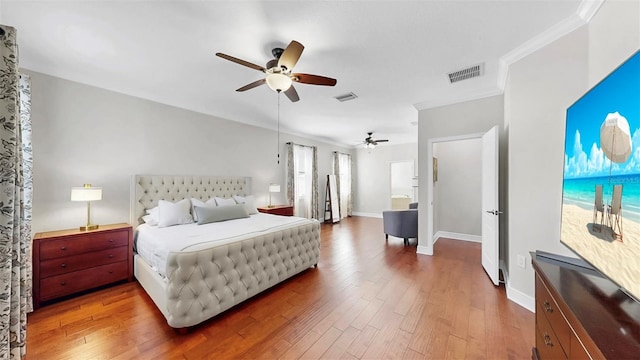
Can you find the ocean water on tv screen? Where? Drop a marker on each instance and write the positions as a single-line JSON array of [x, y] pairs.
[[580, 192]]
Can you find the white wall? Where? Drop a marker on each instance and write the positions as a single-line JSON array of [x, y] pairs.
[[372, 176], [471, 117], [458, 192], [83, 134], [540, 87]]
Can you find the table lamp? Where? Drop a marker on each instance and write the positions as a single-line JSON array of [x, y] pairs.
[[87, 193], [273, 188]]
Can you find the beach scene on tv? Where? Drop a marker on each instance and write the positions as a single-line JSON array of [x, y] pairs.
[[601, 184]]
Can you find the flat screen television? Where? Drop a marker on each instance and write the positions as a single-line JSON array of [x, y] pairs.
[[601, 183]]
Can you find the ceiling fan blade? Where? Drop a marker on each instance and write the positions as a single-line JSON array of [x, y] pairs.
[[241, 62], [291, 54], [382, 140], [292, 94], [314, 79], [252, 85]]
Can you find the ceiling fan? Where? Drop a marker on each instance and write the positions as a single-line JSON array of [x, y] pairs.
[[279, 76], [369, 142]]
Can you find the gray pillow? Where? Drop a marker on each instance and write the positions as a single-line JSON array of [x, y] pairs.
[[220, 213]]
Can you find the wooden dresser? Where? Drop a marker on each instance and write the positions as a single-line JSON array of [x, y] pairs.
[[582, 315], [69, 261], [285, 210]]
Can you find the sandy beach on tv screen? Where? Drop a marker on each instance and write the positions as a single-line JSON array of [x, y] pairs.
[[620, 260]]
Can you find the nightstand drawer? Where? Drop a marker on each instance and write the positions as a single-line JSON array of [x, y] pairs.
[[52, 249], [70, 283], [73, 263]]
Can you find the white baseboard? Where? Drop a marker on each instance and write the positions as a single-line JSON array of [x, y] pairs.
[[423, 250], [520, 298], [373, 215], [456, 236]]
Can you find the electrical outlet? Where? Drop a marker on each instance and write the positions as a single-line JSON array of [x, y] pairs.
[[521, 260]]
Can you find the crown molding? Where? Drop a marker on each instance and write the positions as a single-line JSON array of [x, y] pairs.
[[585, 12]]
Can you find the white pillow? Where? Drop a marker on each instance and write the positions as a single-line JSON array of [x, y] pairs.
[[249, 202], [149, 219], [174, 214], [225, 202], [197, 202]]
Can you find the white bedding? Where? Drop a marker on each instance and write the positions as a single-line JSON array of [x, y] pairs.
[[154, 244]]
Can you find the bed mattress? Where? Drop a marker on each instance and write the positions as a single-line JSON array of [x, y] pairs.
[[154, 244]]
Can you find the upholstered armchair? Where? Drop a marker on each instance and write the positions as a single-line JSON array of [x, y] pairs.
[[401, 223]]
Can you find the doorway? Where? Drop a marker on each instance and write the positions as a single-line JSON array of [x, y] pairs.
[[402, 191]]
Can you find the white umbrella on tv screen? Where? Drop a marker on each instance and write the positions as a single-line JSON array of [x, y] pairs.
[[615, 138]]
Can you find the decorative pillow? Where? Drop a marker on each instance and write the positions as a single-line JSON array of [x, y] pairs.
[[225, 202], [155, 214], [220, 213], [249, 201], [197, 202], [149, 219], [174, 214]]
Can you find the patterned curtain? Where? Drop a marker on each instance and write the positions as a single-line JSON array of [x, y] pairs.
[[314, 185], [15, 202], [291, 183]]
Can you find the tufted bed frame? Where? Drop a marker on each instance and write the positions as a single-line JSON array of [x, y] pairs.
[[201, 284]]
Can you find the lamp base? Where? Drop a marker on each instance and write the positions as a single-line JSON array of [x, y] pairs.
[[88, 227]]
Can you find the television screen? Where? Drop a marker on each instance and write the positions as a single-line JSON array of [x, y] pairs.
[[601, 184]]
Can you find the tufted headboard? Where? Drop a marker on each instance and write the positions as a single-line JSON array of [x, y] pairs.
[[146, 190]]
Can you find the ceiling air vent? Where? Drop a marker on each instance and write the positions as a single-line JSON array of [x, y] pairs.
[[468, 73], [346, 97]]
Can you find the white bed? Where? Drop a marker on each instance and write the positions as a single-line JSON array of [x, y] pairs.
[[214, 266]]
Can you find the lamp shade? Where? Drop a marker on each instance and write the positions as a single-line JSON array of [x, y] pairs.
[[274, 188], [279, 82], [86, 193]]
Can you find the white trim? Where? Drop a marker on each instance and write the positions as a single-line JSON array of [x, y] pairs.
[[424, 250], [373, 215], [457, 236], [458, 98], [521, 298], [583, 15]]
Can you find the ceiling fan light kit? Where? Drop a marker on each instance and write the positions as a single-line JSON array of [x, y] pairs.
[[279, 82]]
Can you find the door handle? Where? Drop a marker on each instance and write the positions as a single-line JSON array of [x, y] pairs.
[[494, 212]]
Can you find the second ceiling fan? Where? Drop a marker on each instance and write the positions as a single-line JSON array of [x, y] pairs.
[[279, 76]]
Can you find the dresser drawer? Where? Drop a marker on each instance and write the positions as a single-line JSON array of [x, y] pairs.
[[73, 263], [549, 308], [546, 341], [70, 283], [80, 244]]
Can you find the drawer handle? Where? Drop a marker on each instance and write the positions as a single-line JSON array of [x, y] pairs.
[[63, 265], [547, 307], [111, 240], [63, 283], [63, 248], [547, 340], [110, 256]]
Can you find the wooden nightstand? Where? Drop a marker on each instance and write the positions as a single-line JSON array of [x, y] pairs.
[[69, 261], [284, 210]]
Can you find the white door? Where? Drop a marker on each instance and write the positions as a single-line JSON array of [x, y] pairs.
[[490, 211]]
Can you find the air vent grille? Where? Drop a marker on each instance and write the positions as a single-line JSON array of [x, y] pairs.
[[468, 73], [346, 97]]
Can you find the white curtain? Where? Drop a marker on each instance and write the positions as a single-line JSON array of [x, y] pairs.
[[302, 180], [15, 200], [342, 170]]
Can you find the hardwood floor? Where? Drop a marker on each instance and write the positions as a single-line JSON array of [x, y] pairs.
[[367, 299]]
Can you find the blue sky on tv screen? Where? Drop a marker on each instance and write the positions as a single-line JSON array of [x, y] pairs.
[[618, 92]]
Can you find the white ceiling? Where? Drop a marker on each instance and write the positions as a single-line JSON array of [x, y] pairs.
[[393, 54]]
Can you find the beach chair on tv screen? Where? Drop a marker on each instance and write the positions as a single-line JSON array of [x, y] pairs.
[[598, 208], [614, 213]]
